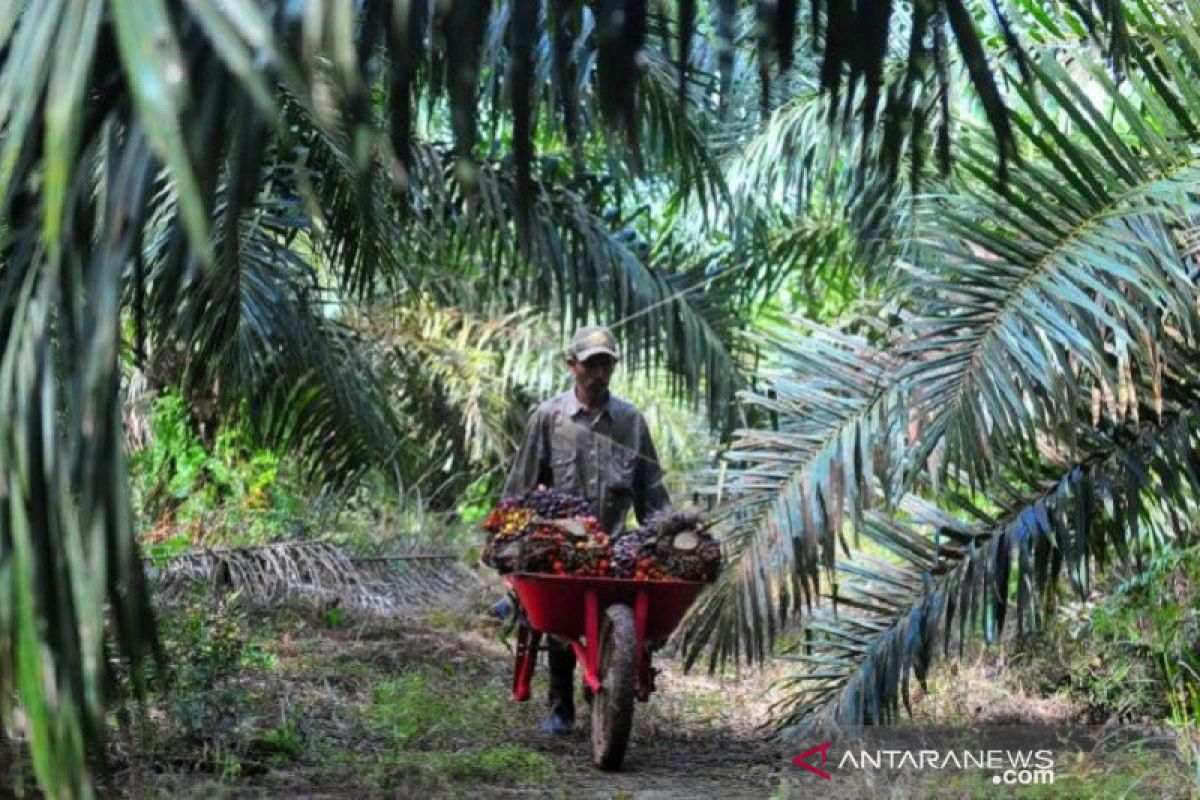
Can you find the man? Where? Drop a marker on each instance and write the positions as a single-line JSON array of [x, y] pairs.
[[596, 446]]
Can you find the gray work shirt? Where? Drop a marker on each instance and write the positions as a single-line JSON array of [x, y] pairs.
[[607, 458]]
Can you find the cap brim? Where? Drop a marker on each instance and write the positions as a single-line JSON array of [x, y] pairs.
[[584, 355]]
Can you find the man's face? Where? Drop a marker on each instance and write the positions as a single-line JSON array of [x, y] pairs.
[[594, 374]]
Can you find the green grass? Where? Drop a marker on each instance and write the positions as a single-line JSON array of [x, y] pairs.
[[284, 743], [415, 709], [435, 723], [505, 764]]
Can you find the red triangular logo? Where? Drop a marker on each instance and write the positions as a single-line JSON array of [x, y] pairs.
[[801, 760]]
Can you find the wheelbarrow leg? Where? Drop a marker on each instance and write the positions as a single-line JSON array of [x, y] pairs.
[[641, 655], [589, 654], [527, 650]]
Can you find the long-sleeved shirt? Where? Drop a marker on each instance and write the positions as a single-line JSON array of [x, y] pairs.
[[607, 458]]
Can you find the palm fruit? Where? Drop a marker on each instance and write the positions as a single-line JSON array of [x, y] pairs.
[[672, 545], [546, 530]]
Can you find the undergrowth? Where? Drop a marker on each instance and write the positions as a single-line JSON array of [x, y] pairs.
[[1133, 653], [235, 493], [288, 697]]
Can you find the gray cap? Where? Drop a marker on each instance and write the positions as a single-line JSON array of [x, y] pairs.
[[590, 341]]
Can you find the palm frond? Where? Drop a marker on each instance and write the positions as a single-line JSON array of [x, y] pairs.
[[66, 557], [319, 572], [355, 213], [449, 364], [169, 94], [259, 324], [1067, 275], [1064, 277], [669, 128], [823, 197], [953, 577], [787, 157], [675, 144], [576, 264], [835, 442]]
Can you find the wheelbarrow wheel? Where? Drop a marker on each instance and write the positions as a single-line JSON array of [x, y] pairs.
[[612, 708]]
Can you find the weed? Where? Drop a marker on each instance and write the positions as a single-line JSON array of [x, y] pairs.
[[412, 710], [235, 493], [283, 743], [506, 762], [334, 617], [783, 791], [1121, 651], [1184, 697]]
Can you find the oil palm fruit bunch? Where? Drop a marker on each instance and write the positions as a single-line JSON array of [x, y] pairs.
[[507, 526], [634, 556], [627, 553], [590, 555], [566, 547], [545, 530], [674, 544]]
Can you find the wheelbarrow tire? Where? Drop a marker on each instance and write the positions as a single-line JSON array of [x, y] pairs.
[[612, 708]]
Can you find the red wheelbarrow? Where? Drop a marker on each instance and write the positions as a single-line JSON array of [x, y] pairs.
[[610, 622]]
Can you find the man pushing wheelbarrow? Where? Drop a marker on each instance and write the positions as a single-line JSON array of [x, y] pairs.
[[595, 446], [596, 593]]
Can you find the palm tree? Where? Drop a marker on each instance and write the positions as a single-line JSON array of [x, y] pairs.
[[1027, 409], [213, 175]]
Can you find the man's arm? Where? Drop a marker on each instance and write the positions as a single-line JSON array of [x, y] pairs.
[[649, 493], [532, 463]]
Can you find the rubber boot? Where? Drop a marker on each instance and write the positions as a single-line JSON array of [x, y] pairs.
[[562, 690]]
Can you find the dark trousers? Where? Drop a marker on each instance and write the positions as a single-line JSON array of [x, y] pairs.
[[562, 678]]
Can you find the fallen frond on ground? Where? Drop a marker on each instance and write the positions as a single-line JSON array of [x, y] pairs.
[[320, 572]]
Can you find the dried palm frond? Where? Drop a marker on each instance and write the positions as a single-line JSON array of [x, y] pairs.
[[319, 572], [422, 580]]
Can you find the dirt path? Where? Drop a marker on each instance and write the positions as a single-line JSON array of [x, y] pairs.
[[695, 738]]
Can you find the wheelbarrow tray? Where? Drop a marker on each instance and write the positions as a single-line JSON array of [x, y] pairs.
[[557, 604]]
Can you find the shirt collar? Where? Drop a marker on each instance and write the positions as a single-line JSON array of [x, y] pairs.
[[574, 407]]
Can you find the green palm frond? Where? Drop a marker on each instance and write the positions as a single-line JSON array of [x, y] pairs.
[[1028, 299], [834, 216], [666, 136], [260, 323], [448, 364], [181, 103], [577, 264], [835, 443], [67, 559], [787, 158], [952, 579], [1061, 280], [356, 213], [678, 144]]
